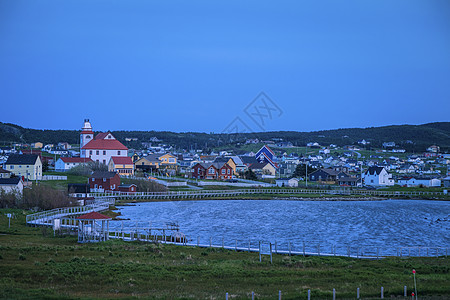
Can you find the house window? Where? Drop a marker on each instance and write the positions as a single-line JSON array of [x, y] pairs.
[[198, 171], [211, 171], [223, 171], [11, 167], [104, 152], [90, 152], [95, 186], [104, 161], [104, 179], [97, 152], [118, 152], [229, 171], [172, 160]]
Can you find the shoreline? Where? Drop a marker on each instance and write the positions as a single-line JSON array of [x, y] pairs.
[[265, 197]]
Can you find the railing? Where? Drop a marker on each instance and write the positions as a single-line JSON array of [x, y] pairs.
[[45, 218], [227, 193]]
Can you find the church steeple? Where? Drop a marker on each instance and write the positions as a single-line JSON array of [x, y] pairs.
[[86, 134]]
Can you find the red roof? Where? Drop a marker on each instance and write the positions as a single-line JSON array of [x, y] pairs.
[[101, 135], [93, 216], [75, 159], [122, 160], [105, 145]]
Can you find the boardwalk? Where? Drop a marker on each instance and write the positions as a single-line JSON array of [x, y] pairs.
[[207, 194]]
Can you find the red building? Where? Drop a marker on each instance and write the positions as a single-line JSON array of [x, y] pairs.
[[218, 171], [128, 188], [104, 182]]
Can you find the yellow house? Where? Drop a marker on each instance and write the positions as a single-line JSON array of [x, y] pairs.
[[37, 145], [122, 165], [168, 161], [157, 161], [27, 165]]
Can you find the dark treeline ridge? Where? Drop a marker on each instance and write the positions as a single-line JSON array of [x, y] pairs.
[[413, 138]]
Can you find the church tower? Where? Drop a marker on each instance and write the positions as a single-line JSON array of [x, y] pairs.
[[86, 134]]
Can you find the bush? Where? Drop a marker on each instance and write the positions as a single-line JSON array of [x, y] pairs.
[[10, 199], [147, 185], [44, 197]]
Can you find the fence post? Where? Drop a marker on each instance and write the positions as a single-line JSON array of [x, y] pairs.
[[270, 251], [309, 294], [357, 293], [248, 245], [259, 251], [226, 296], [404, 291], [318, 249], [279, 295], [334, 294], [253, 295], [382, 293]]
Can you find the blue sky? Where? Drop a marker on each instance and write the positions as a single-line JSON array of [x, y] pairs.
[[196, 65]]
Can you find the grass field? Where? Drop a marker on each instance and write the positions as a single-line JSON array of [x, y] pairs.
[[36, 265]]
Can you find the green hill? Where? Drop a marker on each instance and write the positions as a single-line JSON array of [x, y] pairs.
[[409, 137]]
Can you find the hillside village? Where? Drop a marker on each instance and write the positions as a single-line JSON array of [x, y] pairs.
[[273, 162]]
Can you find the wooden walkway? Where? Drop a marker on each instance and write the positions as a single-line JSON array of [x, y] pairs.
[[46, 218], [208, 194]]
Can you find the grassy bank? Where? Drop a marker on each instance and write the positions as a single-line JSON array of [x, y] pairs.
[[36, 265]]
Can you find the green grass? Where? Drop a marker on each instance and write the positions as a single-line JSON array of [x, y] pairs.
[[38, 266], [62, 184]]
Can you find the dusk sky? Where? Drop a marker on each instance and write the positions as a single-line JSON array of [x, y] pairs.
[[197, 65]]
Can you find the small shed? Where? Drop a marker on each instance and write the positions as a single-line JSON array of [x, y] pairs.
[[127, 188], [286, 182], [93, 227]]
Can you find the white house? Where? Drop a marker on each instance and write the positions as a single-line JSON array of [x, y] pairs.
[[417, 181], [64, 164], [13, 184], [102, 147], [287, 182], [378, 176]]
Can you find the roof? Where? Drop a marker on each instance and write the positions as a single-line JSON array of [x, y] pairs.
[[122, 160], [4, 171], [126, 185], [257, 166], [374, 170], [100, 174], [93, 216], [101, 135], [75, 159], [22, 159], [104, 145], [349, 179], [286, 179], [10, 181]]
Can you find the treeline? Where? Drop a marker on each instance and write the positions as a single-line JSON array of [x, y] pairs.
[[410, 137], [39, 197]]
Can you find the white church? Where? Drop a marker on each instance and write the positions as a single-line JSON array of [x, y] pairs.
[[101, 147]]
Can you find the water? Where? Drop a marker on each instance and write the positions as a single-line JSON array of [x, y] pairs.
[[368, 225]]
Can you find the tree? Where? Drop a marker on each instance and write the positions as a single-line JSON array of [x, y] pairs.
[[300, 170], [250, 175], [45, 166]]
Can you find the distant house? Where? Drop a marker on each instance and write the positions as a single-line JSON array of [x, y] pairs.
[[5, 173], [104, 182], [14, 184], [127, 188], [28, 166], [446, 182], [286, 182], [265, 154], [157, 161], [64, 146], [377, 176], [78, 190], [64, 164], [419, 181], [350, 181], [263, 168], [37, 145], [434, 149], [327, 175], [216, 170], [124, 166]]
